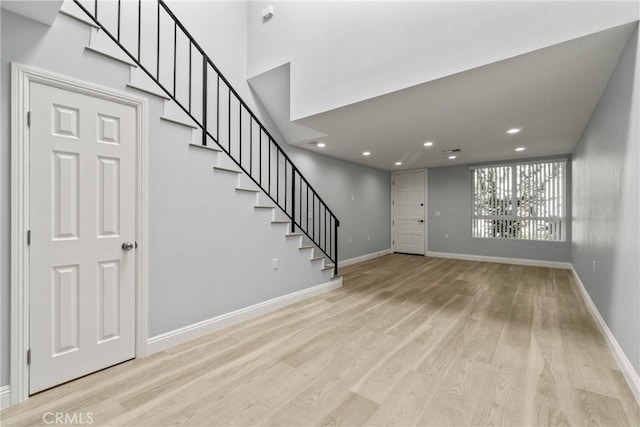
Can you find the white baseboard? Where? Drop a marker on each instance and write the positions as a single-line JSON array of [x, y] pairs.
[[362, 258], [5, 396], [187, 333], [502, 260], [621, 359]]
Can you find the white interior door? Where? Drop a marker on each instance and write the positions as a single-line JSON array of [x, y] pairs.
[[408, 213], [82, 210]]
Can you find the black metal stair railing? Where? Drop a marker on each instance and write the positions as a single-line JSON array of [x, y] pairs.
[[162, 47]]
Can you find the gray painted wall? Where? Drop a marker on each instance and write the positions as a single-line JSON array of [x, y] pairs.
[[606, 197], [449, 191], [210, 243], [365, 219]]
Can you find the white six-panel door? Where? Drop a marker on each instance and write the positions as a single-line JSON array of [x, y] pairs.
[[408, 213], [82, 204]]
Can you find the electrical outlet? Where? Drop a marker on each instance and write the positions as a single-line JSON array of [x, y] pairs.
[[446, 237], [437, 213], [368, 236], [275, 263]]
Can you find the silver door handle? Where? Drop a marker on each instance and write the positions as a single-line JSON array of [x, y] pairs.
[[127, 246]]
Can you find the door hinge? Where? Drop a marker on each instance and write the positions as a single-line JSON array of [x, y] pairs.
[[28, 237], [28, 118], [393, 223], [29, 357], [393, 202], [393, 242]]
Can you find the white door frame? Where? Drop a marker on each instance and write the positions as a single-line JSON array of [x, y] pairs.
[[426, 210], [21, 77]]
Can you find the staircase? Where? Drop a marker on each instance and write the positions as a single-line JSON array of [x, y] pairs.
[[167, 63]]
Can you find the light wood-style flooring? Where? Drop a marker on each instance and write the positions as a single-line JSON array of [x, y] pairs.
[[407, 341]]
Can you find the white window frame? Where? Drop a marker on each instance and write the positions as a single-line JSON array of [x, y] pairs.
[[562, 214]]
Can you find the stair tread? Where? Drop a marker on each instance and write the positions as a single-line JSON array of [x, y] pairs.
[[264, 207], [108, 55], [205, 147], [294, 235], [67, 12], [225, 169], [305, 247], [149, 91], [249, 190], [317, 258], [280, 222], [178, 122], [328, 267]]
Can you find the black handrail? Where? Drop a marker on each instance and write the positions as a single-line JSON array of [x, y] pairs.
[[319, 218]]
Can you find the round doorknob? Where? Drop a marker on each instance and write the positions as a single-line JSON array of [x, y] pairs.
[[127, 246]]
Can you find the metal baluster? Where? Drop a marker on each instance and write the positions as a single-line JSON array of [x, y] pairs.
[[218, 109], [175, 55], [204, 100], [269, 165], [260, 159], [118, 37], [325, 227], [313, 215], [293, 199], [300, 199], [158, 48], [190, 73], [335, 244], [286, 187], [139, 27]]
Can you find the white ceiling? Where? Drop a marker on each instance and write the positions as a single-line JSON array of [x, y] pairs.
[[549, 93]]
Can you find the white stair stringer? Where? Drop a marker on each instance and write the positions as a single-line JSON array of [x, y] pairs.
[[244, 186], [172, 115], [209, 252], [264, 210], [102, 44], [141, 81], [69, 8]]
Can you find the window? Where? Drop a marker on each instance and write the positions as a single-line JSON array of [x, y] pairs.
[[520, 201]]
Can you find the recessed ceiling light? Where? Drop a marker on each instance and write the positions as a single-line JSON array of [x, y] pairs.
[[428, 144], [366, 153], [321, 145], [520, 149], [452, 157], [398, 163], [514, 130]]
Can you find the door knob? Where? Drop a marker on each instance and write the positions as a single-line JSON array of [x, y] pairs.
[[127, 246], [421, 220]]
